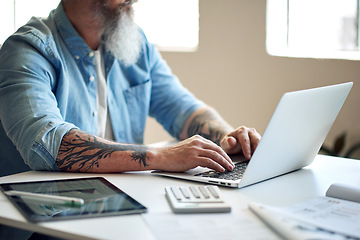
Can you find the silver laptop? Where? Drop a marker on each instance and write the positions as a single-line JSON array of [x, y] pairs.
[[292, 139]]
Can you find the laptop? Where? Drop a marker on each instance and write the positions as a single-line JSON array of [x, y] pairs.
[[292, 139]]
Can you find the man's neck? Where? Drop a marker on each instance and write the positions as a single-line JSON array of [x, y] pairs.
[[84, 21]]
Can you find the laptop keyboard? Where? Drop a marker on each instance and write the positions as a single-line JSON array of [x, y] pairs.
[[235, 174]]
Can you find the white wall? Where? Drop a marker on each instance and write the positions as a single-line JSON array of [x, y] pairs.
[[232, 71]]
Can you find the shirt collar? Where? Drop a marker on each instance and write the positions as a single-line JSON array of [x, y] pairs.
[[74, 42]]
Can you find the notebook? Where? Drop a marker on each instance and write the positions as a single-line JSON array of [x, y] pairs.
[[292, 139]]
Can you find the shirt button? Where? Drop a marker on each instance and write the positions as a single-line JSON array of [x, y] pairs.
[[77, 57], [91, 54], [94, 114], [91, 78]]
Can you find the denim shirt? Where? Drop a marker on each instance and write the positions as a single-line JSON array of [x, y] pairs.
[[48, 86]]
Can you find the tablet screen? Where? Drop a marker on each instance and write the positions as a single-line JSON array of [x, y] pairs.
[[101, 198]]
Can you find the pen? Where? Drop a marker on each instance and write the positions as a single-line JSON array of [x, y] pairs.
[[46, 198]]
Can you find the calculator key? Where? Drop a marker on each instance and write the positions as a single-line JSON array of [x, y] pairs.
[[185, 192], [176, 193], [195, 192], [204, 192], [213, 191]]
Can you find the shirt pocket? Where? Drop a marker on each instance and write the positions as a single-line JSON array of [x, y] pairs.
[[138, 102]]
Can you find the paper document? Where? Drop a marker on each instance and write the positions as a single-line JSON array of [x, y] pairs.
[[326, 213], [224, 226]]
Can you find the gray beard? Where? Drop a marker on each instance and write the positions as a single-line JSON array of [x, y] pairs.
[[122, 37]]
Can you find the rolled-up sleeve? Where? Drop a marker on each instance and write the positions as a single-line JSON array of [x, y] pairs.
[[28, 107]]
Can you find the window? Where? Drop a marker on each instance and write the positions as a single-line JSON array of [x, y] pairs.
[[6, 19], [172, 25], [313, 28]]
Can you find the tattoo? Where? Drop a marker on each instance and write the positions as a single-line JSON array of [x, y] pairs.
[[140, 156], [208, 126], [85, 152]]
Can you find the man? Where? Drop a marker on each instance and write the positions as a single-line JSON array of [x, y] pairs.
[[76, 89]]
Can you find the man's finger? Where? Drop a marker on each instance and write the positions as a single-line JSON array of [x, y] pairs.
[[230, 145], [208, 145]]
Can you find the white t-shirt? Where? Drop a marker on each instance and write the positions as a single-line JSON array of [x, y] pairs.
[[104, 122]]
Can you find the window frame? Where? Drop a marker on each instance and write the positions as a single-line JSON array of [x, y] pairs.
[[277, 35], [190, 34]]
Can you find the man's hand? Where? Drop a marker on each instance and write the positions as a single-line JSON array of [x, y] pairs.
[[192, 152], [242, 139], [208, 123]]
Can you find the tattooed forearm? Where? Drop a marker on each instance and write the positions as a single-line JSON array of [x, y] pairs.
[[82, 152], [141, 157], [208, 126]]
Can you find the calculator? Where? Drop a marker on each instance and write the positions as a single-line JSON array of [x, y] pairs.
[[196, 199]]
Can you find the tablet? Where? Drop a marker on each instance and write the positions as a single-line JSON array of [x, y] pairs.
[[100, 198]]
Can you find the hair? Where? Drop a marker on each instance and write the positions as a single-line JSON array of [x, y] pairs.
[[121, 37]]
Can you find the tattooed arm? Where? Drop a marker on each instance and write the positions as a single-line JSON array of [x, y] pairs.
[[207, 123], [82, 152]]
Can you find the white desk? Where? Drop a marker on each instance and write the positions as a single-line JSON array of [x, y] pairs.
[[148, 189]]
